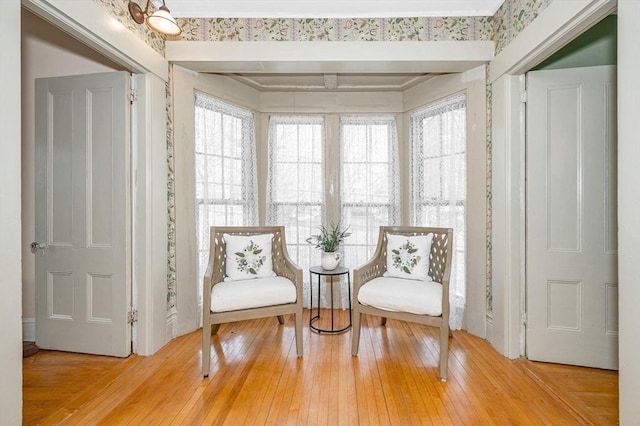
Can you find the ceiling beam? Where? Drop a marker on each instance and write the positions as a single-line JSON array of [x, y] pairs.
[[331, 8], [329, 57]]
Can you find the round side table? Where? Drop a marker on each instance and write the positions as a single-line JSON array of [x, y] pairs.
[[320, 272]]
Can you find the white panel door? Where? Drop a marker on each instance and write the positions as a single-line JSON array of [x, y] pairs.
[[572, 284], [83, 276]]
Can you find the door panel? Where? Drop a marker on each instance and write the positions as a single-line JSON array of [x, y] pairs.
[[83, 284], [571, 217]]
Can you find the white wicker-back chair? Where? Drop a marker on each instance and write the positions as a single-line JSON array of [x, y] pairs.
[[439, 271], [283, 266]]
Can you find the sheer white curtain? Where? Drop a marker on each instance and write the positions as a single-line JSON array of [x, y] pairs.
[[438, 182], [370, 194], [225, 166], [295, 186]]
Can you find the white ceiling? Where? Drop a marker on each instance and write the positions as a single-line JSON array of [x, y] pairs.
[[313, 82], [330, 8]]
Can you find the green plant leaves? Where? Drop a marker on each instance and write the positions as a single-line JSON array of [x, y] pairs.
[[329, 238]]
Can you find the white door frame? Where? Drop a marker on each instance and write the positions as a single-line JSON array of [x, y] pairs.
[[90, 23], [150, 215]]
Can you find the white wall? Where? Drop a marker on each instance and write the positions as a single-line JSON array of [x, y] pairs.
[[10, 271], [46, 52]]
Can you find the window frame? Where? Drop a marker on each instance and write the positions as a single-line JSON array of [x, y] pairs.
[[393, 205], [273, 206]]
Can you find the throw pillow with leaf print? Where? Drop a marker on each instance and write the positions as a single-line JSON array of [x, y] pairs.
[[248, 256], [408, 256]]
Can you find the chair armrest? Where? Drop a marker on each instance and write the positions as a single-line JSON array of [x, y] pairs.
[[206, 290], [212, 276], [286, 268], [289, 270], [375, 268]]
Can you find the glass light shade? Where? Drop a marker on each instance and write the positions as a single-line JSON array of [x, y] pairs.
[[162, 21]]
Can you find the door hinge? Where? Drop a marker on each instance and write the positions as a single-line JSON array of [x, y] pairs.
[[132, 316], [523, 318], [133, 96], [523, 97]]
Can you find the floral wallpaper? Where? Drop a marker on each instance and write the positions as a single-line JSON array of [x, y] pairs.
[[171, 205], [325, 29], [119, 10], [489, 200], [510, 19]]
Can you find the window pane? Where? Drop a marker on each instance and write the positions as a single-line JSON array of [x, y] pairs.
[[355, 182], [379, 146], [369, 184], [295, 195], [353, 151]]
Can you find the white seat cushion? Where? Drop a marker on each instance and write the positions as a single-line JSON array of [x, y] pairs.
[[253, 293], [403, 295]]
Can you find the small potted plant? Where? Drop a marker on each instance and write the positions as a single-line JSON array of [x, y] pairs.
[[328, 240]]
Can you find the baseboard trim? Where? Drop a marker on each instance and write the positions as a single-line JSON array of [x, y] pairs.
[[170, 331], [28, 329]]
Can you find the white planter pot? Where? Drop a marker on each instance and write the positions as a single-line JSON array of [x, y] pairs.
[[330, 261]]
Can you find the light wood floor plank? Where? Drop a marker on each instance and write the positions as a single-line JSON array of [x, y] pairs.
[[257, 379]]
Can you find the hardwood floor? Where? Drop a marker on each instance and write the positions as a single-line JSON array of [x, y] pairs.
[[256, 378], [591, 392]]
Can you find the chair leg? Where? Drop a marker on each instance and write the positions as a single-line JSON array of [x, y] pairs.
[[383, 320], [281, 319], [355, 333], [206, 348], [215, 328], [444, 351], [298, 321]]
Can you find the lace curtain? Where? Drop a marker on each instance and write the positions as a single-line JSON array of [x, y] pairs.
[[438, 182], [225, 169], [370, 193], [295, 187]]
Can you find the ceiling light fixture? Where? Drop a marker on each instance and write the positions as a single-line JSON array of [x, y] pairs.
[[160, 21]]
